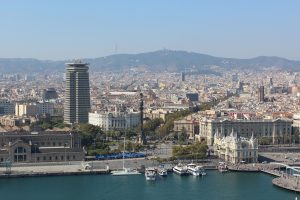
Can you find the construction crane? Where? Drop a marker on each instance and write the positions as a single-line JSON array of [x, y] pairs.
[[7, 164]]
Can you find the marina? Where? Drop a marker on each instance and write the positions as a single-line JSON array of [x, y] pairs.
[[282, 176], [214, 186]]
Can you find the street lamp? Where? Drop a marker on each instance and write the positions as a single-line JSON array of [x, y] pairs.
[[65, 145], [35, 145]]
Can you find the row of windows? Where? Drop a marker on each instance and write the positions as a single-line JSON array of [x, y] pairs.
[[23, 158], [55, 158], [50, 143], [7, 139]]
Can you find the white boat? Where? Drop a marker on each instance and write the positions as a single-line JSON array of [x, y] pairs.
[[125, 171], [162, 172], [150, 174], [180, 170], [196, 170], [222, 167]]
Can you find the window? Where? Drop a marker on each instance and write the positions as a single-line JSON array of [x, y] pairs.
[[20, 150], [20, 154]]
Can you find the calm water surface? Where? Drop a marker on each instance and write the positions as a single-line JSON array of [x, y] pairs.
[[214, 186]]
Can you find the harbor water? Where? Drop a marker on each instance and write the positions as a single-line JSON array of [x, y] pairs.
[[213, 186]]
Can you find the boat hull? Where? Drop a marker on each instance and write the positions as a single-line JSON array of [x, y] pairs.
[[150, 178], [125, 173], [180, 172]]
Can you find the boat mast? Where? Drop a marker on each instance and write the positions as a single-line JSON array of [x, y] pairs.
[[124, 153]]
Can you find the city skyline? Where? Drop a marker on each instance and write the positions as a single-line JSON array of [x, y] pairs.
[[33, 29]]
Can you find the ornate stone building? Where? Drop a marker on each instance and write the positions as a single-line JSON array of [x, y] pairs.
[[235, 149], [278, 131]]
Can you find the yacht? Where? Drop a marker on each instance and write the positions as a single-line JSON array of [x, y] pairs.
[[196, 170], [125, 171], [150, 174], [162, 172], [180, 170], [222, 167]]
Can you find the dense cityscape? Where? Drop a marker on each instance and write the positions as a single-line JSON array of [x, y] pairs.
[[142, 121], [234, 121]]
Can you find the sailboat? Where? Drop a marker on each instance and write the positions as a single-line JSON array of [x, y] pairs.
[[125, 171]]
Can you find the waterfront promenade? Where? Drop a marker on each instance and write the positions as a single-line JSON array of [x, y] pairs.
[[74, 168], [287, 182]]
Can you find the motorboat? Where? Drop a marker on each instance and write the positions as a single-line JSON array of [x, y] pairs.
[[181, 170], [162, 172], [150, 174], [196, 170], [222, 167]]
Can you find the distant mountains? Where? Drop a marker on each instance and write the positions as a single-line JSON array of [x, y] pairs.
[[162, 60]]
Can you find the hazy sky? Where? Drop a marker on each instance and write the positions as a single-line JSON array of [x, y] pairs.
[[67, 29]]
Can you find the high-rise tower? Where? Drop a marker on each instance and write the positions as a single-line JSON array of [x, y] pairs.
[[77, 93], [182, 76], [261, 94]]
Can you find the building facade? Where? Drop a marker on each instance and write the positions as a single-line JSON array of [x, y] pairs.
[[115, 120], [278, 131], [6, 107], [33, 109], [188, 126], [296, 126], [194, 97], [235, 149], [11, 120], [77, 93], [49, 94], [156, 114], [40, 147]]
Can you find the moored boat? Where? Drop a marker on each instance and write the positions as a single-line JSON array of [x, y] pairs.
[[222, 167], [125, 171], [162, 172], [196, 170], [150, 174], [180, 170]]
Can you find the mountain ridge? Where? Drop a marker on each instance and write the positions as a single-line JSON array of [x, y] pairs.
[[161, 60]]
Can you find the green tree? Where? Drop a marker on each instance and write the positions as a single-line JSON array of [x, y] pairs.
[[89, 133], [197, 150]]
